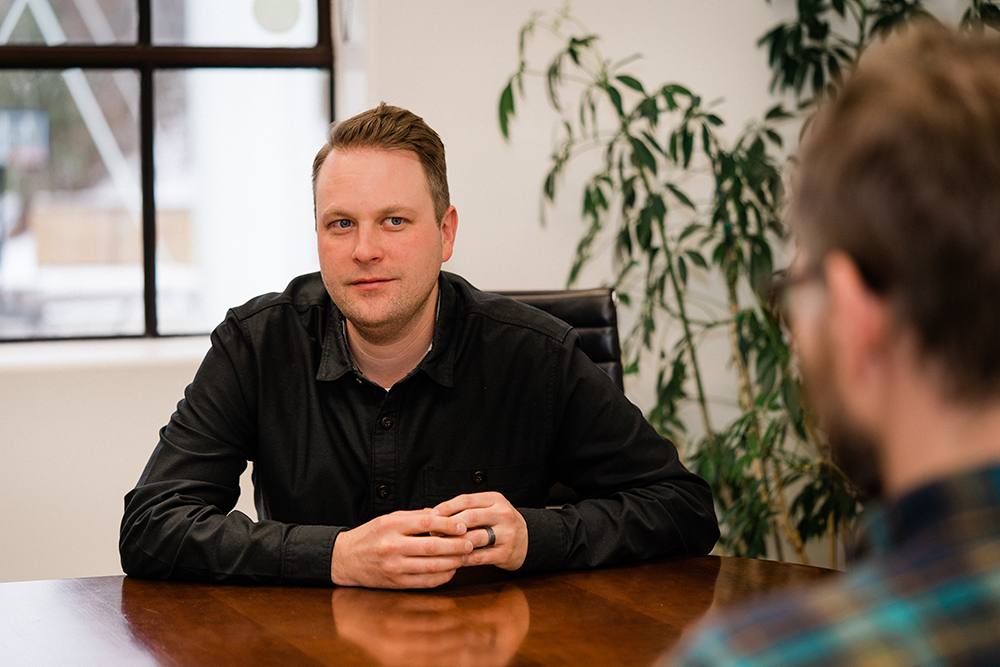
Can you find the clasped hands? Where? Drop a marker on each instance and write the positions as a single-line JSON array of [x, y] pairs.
[[424, 548]]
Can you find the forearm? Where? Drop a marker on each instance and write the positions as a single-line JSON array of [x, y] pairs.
[[168, 534], [663, 519]]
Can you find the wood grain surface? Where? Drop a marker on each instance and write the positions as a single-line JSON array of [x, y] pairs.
[[626, 615]]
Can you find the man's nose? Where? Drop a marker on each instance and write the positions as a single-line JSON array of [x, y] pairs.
[[368, 245]]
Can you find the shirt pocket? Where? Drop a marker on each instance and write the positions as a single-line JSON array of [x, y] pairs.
[[515, 482]]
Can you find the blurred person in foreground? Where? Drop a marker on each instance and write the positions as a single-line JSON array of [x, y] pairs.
[[892, 306], [402, 423]]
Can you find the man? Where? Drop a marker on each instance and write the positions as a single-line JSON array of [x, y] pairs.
[[401, 423], [892, 307]]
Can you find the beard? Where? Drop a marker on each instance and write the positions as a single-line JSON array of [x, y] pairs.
[[853, 448]]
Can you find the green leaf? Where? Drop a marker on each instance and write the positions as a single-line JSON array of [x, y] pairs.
[[651, 140], [553, 77], [549, 188], [696, 258], [616, 99], [680, 195], [714, 120], [649, 110], [506, 108], [631, 82], [682, 270], [687, 145], [688, 231], [777, 112], [641, 155], [677, 89]]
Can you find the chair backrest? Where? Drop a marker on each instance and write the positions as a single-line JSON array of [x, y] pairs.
[[592, 313]]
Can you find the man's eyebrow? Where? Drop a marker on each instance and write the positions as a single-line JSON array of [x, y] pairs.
[[334, 212], [391, 209], [397, 208]]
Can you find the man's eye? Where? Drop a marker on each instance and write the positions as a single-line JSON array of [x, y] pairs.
[[395, 221], [341, 224]]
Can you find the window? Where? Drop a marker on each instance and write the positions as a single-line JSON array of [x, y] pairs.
[[155, 160]]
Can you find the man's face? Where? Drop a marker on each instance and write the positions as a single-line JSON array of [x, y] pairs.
[[852, 447], [380, 246]]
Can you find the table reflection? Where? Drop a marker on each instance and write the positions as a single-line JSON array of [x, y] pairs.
[[397, 628]]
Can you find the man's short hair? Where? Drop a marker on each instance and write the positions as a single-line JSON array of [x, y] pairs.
[[391, 128], [901, 171]]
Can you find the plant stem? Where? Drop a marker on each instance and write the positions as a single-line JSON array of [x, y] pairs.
[[758, 466], [689, 341]]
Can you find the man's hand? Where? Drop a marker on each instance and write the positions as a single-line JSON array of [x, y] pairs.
[[481, 510], [414, 549]]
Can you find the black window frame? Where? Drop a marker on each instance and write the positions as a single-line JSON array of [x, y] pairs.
[[146, 57]]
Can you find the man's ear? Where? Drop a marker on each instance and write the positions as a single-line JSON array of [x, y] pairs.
[[860, 332], [449, 228]]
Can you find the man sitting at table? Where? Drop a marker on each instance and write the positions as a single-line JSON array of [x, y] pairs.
[[402, 424], [897, 213]]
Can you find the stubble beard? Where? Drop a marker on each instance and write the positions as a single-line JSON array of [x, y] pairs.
[[853, 448], [388, 319]]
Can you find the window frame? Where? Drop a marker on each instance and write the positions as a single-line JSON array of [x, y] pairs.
[[145, 57]]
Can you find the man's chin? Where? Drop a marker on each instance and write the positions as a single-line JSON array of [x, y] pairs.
[[857, 455], [852, 448]]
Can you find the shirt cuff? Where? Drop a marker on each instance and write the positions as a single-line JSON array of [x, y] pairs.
[[546, 540], [307, 554]]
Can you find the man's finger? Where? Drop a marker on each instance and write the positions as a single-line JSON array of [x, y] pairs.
[[424, 580], [465, 501], [422, 522], [479, 517], [435, 546], [428, 564], [487, 556], [480, 538]]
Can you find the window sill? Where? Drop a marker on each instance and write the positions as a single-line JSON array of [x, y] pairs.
[[102, 353]]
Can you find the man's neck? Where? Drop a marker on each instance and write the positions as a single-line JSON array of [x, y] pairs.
[[386, 358], [927, 438]]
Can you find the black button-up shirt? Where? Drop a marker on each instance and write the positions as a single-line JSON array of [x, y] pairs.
[[504, 401]]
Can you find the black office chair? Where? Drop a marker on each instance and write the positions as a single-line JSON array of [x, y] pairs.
[[593, 314]]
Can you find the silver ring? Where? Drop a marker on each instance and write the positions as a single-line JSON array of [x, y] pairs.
[[492, 537]]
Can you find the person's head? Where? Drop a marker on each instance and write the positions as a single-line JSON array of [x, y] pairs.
[[896, 208], [384, 222]]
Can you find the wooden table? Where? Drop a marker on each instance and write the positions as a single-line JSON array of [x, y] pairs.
[[619, 616]]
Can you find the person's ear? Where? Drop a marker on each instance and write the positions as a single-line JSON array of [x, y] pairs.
[[449, 228], [859, 322]]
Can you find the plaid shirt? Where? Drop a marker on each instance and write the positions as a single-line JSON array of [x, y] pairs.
[[929, 593]]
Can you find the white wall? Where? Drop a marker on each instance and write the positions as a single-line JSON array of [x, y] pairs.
[[77, 421]]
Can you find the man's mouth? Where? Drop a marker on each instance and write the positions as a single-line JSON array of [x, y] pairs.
[[370, 283]]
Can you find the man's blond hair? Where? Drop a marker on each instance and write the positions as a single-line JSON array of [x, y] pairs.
[[391, 128]]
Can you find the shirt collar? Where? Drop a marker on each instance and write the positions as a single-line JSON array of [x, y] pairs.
[[438, 363], [956, 509]]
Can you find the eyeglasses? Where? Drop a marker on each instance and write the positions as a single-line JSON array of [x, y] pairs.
[[783, 284]]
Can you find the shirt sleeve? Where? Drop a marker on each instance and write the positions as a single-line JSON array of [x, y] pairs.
[[638, 500], [179, 521]]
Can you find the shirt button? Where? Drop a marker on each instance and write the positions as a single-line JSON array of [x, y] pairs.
[[387, 423], [478, 477], [383, 491]]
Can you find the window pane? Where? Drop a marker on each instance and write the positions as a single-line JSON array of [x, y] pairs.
[[70, 204], [234, 151], [67, 21], [282, 23]]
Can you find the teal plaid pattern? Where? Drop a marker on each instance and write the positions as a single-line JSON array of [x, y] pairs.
[[929, 593]]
